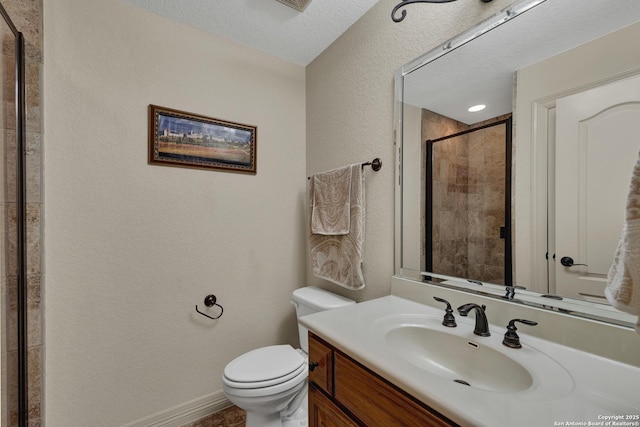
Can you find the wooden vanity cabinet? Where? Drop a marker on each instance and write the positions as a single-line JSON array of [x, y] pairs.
[[324, 413], [342, 392], [320, 364]]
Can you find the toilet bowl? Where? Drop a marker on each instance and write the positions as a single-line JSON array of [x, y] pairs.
[[270, 383]]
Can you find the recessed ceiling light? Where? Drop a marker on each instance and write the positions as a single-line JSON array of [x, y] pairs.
[[477, 108]]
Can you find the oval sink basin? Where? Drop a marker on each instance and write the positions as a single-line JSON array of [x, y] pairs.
[[460, 359]]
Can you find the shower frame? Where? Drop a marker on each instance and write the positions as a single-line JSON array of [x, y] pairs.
[[506, 230], [21, 247]]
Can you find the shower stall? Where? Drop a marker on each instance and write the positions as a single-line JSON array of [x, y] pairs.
[[14, 373], [468, 198]]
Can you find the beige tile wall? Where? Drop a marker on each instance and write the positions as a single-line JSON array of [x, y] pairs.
[[27, 17], [468, 198], [450, 173]]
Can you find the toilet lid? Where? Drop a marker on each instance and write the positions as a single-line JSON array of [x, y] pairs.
[[264, 364]]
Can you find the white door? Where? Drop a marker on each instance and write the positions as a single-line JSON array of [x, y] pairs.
[[597, 143]]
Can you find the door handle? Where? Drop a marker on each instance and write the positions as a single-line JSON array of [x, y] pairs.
[[567, 261]]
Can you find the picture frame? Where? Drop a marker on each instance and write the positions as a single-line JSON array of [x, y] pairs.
[[182, 139]]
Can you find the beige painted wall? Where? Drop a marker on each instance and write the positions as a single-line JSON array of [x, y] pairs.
[[131, 248], [350, 110], [412, 207]]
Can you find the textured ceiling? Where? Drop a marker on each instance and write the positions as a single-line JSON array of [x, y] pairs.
[[267, 25]]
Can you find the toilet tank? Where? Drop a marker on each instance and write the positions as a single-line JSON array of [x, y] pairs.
[[313, 300]]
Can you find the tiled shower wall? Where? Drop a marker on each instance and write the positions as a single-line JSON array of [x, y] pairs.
[[486, 204], [450, 194], [27, 17], [468, 194]]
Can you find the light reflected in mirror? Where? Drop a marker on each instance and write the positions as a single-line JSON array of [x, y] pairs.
[[548, 57]]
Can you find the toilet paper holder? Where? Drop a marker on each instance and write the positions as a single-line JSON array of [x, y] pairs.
[[210, 301]]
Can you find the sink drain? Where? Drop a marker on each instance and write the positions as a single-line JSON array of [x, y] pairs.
[[462, 382]]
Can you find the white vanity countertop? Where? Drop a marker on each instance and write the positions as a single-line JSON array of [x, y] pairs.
[[603, 390]]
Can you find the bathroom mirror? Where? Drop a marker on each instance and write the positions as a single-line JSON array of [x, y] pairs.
[[525, 63]]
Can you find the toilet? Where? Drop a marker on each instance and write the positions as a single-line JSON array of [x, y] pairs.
[[270, 383]]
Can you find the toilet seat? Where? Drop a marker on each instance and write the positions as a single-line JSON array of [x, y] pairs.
[[268, 383], [265, 367], [287, 387]]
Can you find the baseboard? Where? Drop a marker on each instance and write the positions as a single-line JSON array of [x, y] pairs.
[[186, 412]]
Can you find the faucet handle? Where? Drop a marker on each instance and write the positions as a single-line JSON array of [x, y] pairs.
[[449, 320], [511, 291], [511, 338]]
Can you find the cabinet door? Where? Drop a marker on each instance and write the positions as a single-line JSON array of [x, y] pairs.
[[376, 402], [320, 364], [323, 413]]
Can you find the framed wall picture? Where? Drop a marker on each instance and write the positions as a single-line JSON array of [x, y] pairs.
[[178, 138]]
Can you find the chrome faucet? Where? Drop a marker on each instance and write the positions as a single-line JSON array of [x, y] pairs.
[[482, 326]]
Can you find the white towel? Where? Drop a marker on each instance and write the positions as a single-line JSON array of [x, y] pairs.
[[338, 258], [623, 287], [331, 202]]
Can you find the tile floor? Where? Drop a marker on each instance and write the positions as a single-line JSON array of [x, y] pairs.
[[230, 417]]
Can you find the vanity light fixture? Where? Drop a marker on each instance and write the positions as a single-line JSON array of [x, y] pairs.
[[403, 3], [477, 108]]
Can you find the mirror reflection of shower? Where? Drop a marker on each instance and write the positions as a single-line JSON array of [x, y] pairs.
[[467, 198]]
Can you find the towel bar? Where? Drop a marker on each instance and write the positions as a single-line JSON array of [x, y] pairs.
[[376, 165]]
